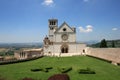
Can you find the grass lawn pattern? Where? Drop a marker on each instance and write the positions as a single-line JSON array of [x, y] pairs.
[[104, 70]]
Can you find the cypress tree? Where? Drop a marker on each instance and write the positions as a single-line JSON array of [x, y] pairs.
[[113, 44], [103, 44]]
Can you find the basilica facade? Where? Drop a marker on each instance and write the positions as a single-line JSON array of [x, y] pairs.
[[61, 40]]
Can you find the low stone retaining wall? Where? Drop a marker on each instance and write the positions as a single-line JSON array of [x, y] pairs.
[[110, 54], [18, 61]]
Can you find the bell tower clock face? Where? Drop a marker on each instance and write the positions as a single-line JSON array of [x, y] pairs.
[[64, 37]]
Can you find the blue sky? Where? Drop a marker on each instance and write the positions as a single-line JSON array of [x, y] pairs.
[[27, 20]]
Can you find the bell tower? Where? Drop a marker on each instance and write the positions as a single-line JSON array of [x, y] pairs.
[[53, 25]]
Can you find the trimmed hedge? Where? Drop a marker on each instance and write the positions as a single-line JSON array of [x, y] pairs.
[[42, 69], [35, 70], [86, 71], [64, 70]]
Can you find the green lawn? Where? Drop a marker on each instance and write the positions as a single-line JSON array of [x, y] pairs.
[[104, 70]]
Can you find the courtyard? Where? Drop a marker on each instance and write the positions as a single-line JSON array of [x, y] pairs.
[[103, 70]]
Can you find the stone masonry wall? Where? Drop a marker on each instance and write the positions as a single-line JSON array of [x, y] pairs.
[[110, 54]]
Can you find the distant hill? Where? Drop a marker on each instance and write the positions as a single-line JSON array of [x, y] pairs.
[[20, 45], [109, 44], [91, 42]]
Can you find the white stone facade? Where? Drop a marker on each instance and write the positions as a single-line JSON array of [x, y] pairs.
[[62, 40]]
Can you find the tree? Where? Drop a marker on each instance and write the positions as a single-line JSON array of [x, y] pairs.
[[103, 44], [113, 44]]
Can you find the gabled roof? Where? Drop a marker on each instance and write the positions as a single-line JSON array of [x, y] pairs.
[[64, 23]]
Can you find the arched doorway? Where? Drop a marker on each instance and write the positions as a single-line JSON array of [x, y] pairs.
[[64, 48]]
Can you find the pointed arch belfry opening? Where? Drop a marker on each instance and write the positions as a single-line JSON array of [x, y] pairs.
[[64, 48]]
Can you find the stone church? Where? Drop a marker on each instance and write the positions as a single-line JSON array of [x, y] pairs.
[[62, 40]]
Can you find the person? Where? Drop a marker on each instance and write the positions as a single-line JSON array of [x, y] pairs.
[[84, 52]]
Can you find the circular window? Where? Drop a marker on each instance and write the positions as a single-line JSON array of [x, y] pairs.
[[64, 29], [64, 37]]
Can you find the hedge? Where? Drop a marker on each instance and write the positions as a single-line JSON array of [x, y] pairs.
[[86, 71], [35, 70], [65, 70], [41, 69]]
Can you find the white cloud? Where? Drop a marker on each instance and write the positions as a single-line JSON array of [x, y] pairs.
[[48, 2], [114, 29], [89, 28]]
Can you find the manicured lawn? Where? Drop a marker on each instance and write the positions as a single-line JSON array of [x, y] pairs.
[[104, 70]]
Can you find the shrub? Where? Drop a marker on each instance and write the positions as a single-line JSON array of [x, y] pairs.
[[59, 77], [65, 70], [86, 71], [35, 70], [42, 69], [47, 69]]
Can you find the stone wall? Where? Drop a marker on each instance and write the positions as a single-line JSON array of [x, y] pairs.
[[24, 54], [110, 54]]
